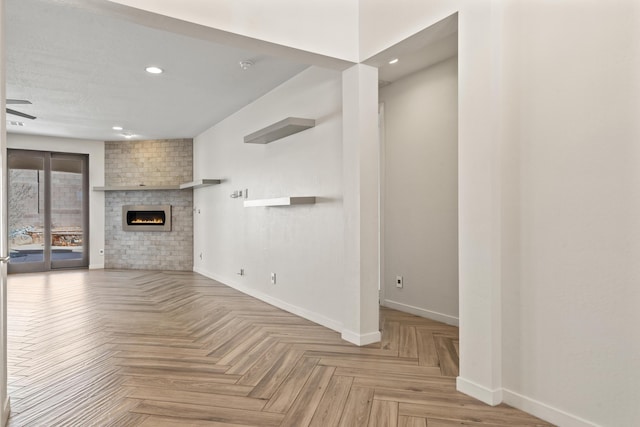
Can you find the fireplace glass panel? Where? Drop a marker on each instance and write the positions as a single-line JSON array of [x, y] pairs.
[[146, 218]]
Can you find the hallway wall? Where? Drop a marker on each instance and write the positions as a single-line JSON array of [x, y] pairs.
[[420, 190]]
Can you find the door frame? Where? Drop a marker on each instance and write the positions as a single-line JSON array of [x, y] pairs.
[[5, 406]]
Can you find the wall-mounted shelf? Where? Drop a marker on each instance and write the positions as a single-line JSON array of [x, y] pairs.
[[280, 201], [279, 130], [136, 187], [199, 183], [193, 184]]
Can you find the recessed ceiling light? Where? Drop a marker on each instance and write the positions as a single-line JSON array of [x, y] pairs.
[[117, 128], [127, 135], [394, 61], [16, 123], [154, 70]]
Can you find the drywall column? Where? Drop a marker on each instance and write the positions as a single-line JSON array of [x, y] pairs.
[[361, 171], [480, 202], [4, 246]]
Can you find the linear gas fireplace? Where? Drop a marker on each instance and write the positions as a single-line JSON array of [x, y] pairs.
[[146, 218]]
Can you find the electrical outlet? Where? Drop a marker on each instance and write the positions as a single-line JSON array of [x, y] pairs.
[[399, 282], [200, 255], [273, 278]]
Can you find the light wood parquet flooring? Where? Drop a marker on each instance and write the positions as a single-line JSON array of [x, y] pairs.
[[159, 349]]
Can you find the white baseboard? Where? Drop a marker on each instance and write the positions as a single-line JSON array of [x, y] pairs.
[[544, 411], [477, 391], [299, 311], [524, 403], [361, 339], [433, 315], [96, 266]]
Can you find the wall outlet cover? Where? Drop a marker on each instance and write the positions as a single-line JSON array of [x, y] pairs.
[[399, 282]]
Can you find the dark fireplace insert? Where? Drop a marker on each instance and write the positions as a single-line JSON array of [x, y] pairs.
[[146, 218]]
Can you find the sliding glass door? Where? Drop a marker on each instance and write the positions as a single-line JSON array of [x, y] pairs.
[[26, 209], [48, 210]]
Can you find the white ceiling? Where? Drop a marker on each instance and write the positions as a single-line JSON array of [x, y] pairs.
[[84, 73], [81, 63]]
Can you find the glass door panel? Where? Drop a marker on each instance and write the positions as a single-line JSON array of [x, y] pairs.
[[26, 208], [68, 211]]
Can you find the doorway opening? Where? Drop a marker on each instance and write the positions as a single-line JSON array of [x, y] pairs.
[[48, 210], [418, 115]]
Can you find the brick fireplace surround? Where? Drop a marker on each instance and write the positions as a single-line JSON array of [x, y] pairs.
[[159, 162]]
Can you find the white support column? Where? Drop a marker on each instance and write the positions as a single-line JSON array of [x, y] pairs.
[[361, 172], [480, 202]]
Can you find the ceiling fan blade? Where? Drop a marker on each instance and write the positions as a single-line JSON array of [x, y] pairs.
[[18, 113], [18, 101]]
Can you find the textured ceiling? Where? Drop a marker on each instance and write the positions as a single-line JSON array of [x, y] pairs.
[[84, 73]]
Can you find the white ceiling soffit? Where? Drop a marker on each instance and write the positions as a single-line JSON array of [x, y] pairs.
[[81, 64], [422, 50]]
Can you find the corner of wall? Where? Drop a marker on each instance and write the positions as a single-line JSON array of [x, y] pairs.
[[483, 394], [361, 339]]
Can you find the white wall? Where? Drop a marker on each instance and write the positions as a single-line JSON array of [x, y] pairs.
[[421, 192], [326, 27], [95, 150], [548, 198], [571, 310], [303, 245], [549, 201]]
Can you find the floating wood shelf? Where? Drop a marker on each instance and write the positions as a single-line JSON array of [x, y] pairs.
[[193, 184], [199, 183], [279, 130], [280, 201]]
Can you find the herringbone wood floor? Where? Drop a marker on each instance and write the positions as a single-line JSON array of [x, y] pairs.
[[158, 349]]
